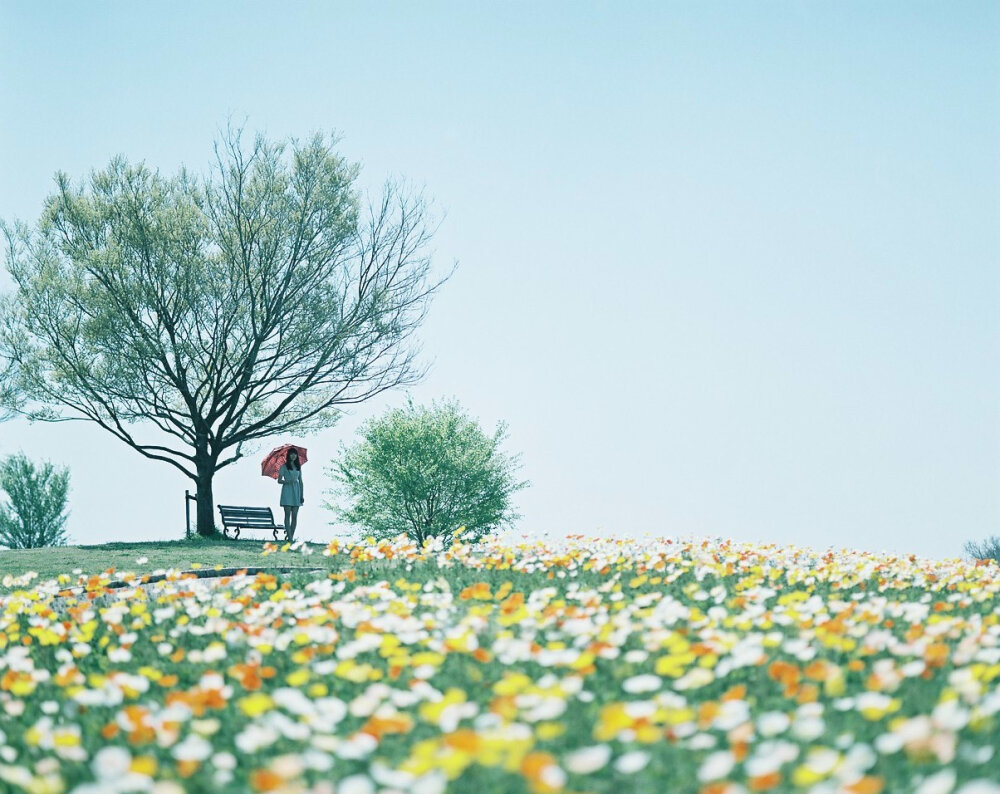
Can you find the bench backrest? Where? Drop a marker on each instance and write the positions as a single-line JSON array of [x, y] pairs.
[[247, 517]]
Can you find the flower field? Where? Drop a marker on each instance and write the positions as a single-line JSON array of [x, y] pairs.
[[584, 666]]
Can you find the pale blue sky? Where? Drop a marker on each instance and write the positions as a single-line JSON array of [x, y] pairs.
[[727, 269]]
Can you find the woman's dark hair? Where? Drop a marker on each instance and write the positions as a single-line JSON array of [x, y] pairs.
[[288, 460]]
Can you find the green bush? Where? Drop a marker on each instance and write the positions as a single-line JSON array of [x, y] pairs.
[[426, 473]]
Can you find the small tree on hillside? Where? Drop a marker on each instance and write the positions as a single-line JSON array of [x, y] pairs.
[[36, 513], [190, 317], [988, 549], [425, 472]]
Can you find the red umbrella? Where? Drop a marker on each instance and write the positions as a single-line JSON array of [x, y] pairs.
[[276, 457]]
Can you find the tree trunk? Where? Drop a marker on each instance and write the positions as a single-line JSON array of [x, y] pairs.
[[205, 469], [206, 502]]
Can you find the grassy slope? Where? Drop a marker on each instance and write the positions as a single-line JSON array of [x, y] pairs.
[[184, 555]]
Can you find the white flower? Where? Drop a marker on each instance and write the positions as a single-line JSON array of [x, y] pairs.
[[294, 701], [553, 776], [642, 683], [548, 709], [809, 728], [287, 766], [432, 783], [142, 561], [640, 709], [822, 760], [762, 763], [939, 783], [702, 741], [771, 723], [632, 762], [860, 757], [888, 743], [193, 748], [358, 746], [695, 678], [224, 761], [332, 709], [356, 784], [20, 776], [981, 786], [364, 704], [587, 760], [111, 762], [873, 700], [716, 766], [314, 759], [119, 655], [255, 737], [950, 716], [167, 787]]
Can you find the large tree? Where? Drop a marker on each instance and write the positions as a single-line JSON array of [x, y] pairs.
[[190, 316]]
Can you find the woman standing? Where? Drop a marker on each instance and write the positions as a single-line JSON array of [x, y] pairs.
[[290, 478]]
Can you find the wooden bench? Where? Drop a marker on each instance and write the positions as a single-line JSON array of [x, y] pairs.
[[235, 518]]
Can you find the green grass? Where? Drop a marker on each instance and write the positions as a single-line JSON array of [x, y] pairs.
[[182, 554]]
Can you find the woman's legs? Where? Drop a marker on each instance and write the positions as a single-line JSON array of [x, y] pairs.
[[295, 521], [288, 521]]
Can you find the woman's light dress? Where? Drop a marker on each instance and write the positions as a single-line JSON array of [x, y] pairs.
[[291, 489]]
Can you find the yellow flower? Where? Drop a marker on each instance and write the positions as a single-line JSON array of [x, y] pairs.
[[297, 678], [256, 704]]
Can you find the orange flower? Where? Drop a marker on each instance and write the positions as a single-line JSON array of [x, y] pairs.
[[783, 672], [936, 654], [534, 764], [512, 603], [380, 726], [265, 780], [765, 782], [187, 768], [465, 740], [479, 591], [738, 692], [505, 706], [867, 785]]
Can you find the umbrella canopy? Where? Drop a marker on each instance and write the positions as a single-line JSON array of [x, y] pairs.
[[276, 457]]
